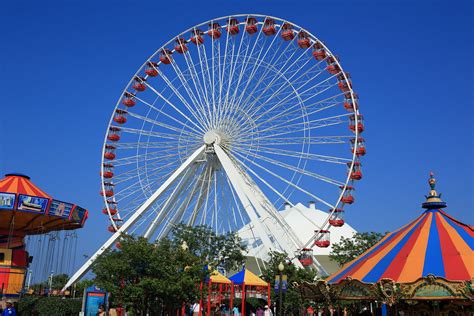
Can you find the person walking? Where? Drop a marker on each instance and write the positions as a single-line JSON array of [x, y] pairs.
[[9, 310], [267, 311], [235, 311]]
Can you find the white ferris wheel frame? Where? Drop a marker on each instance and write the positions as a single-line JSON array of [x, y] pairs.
[[260, 210]]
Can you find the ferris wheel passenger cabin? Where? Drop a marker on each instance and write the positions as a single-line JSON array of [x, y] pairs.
[[108, 189], [332, 67], [344, 84], [360, 151], [356, 173], [109, 153], [196, 37], [347, 197], [108, 172], [269, 27], [319, 53], [114, 134], [349, 105], [306, 257], [303, 40], [322, 238], [360, 123], [251, 25], [214, 30], [337, 218], [151, 69], [287, 32], [233, 26], [120, 116], [128, 99], [181, 46], [165, 56]]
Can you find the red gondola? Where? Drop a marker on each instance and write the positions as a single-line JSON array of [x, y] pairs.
[[333, 68], [319, 53], [303, 40], [347, 198], [344, 84], [151, 69], [114, 134], [269, 27], [112, 229], [214, 30], [181, 46], [360, 123], [139, 84], [337, 218], [113, 211], [128, 99], [356, 173], [165, 56], [251, 25], [108, 171], [360, 151], [306, 257], [120, 116], [349, 105], [109, 153], [322, 238], [108, 190], [196, 37], [233, 26], [287, 32]]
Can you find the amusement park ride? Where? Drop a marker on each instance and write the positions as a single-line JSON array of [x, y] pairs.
[[226, 120], [26, 210]]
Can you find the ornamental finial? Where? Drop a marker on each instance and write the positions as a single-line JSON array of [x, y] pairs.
[[433, 200]]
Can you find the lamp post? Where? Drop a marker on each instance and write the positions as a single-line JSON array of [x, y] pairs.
[[281, 267]]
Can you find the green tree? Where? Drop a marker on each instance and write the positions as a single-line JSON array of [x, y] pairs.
[[151, 277], [292, 298], [350, 248]]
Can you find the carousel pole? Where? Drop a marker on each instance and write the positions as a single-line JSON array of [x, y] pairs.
[[209, 291], [231, 299]]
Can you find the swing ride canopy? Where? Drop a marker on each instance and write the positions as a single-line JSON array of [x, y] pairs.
[[25, 209]]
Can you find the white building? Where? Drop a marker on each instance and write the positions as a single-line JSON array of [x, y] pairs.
[[303, 220]]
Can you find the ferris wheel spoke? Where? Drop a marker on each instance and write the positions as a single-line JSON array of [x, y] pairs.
[[300, 126], [176, 108], [296, 169], [199, 87], [281, 72], [313, 140], [299, 155], [181, 123], [206, 78], [287, 182], [137, 159], [161, 135], [161, 124], [197, 114]]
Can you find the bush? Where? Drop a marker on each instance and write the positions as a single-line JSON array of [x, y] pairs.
[[49, 306]]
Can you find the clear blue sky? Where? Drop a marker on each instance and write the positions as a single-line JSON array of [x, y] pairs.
[[64, 64]]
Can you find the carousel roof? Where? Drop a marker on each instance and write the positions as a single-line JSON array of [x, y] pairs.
[[433, 244], [25, 209], [20, 184]]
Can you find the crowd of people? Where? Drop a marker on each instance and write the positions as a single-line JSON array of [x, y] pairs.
[[223, 309]]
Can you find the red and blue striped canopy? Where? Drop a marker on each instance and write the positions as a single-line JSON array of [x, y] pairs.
[[435, 243]]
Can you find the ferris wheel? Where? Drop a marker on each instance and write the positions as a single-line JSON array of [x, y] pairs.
[[226, 122]]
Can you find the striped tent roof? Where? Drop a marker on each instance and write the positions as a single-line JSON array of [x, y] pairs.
[[217, 277], [435, 243], [247, 277], [21, 184]]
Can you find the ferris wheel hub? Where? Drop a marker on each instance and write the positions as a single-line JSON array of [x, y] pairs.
[[212, 137]]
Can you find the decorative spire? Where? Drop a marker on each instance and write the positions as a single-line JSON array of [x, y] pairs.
[[433, 200]]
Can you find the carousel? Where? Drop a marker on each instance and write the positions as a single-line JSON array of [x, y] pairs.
[[424, 268], [34, 228]]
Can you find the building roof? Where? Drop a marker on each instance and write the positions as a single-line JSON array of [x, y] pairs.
[[435, 244]]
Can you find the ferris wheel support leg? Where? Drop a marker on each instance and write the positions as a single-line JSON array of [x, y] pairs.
[[234, 178], [169, 202], [145, 206]]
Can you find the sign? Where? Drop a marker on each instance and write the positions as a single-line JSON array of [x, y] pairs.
[[60, 209], [283, 283], [7, 201], [94, 297], [32, 203], [77, 214]]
